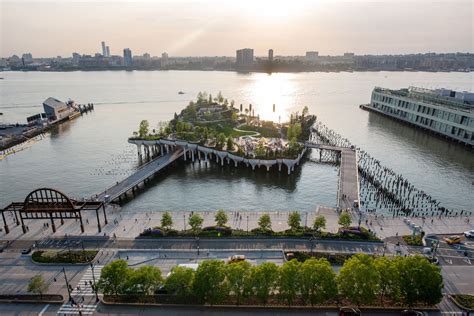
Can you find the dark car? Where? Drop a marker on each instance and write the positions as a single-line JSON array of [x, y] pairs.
[[25, 251], [412, 312], [349, 311]]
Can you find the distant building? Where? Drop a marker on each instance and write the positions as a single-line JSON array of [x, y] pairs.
[[104, 49], [146, 56], [56, 110], [127, 57], [312, 56], [107, 51], [164, 59], [350, 55], [270, 55], [27, 57], [244, 58]]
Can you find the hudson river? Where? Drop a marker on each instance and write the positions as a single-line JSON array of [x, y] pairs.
[[87, 155]]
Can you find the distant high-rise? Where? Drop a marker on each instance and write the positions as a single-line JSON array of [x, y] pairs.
[[244, 57], [127, 57], [107, 51], [270, 55], [164, 59], [104, 50], [312, 56], [27, 57]]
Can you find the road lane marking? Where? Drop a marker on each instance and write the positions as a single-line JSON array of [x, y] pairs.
[[43, 310]]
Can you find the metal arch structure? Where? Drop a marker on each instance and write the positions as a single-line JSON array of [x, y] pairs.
[[46, 203]]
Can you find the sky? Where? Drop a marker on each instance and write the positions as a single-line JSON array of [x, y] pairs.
[[218, 28]]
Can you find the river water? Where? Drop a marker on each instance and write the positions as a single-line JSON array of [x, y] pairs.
[[87, 155]]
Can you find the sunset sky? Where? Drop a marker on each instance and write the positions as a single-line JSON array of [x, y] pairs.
[[218, 28]]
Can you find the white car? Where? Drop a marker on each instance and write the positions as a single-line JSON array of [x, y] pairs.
[[469, 233]]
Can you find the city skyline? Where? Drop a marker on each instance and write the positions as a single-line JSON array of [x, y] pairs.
[[208, 28]]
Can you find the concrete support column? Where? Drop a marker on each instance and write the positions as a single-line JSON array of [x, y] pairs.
[[184, 148], [192, 155]]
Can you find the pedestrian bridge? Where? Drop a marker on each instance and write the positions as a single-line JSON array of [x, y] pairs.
[[348, 186]]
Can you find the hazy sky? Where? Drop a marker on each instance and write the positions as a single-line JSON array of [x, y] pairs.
[[211, 28]]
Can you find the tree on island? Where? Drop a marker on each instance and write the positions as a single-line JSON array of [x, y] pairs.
[[38, 285], [143, 129], [166, 221], [195, 221], [294, 221], [265, 222], [230, 143], [319, 223], [241, 108], [345, 219], [221, 218], [220, 141]]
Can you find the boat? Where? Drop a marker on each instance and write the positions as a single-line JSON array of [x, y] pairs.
[[180, 92], [442, 111]]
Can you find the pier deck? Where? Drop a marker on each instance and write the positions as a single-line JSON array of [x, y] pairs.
[[144, 172], [348, 188]]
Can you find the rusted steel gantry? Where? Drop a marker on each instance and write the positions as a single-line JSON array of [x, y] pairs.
[[51, 204]]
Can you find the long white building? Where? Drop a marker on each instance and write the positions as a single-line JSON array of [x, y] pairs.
[[445, 112]]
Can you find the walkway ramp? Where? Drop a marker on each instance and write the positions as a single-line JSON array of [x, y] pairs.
[[141, 174]]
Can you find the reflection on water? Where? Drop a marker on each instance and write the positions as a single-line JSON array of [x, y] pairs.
[[87, 155]]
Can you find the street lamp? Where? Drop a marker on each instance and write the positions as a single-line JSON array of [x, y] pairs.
[[247, 224], [94, 286], [67, 285]]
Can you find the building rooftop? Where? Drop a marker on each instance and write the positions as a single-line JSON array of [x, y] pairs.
[[54, 103]]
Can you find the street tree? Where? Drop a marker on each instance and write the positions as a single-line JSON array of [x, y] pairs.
[[264, 280], [317, 281], [38, 285], [294, 220], [237, 279], [389, 278], [221, 218], [345, 219], [288, 281], [265, 222], [114, 277], [195, 221], [209, 284], [144, 280], [143, 129], [319, 223], [358, 279], [180, 282], [166, 221], [420, 281]]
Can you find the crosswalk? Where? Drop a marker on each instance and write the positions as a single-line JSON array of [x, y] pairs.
[[83, 295]]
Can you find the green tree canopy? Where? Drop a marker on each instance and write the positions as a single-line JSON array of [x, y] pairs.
[[180, 281], [220, 141], [358, 279], [345, 219], [143, 128], [209, 284], [238, 278], [264, 279], [389, 278], [288, 280], [38, 285], [230, 143], [195, 221], [265, 222], [166, 221], [114, 277], [294, 220], [319, 222], [420, 281], [221, 218], [145, 280], [317, 281]]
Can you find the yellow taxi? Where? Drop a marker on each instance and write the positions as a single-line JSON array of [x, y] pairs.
[[451, 240]]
